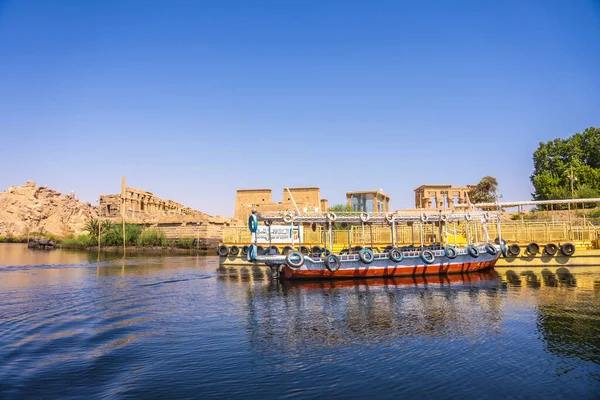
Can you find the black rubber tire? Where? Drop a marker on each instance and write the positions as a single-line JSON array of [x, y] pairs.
[[260, 251], [275, 248], [234, 250], [366, 256], [568, 249], [497, 241], [473, 251], [450, 252], [427, 256], [290, 262], [305, 250], [245, 250], [533, 248], [514, 250], [223, 250], [317, 249], [395, 255], [332, 262], [551, 249], [491, 249]]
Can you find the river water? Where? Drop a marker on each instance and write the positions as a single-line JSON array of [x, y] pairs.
[[79, 325]]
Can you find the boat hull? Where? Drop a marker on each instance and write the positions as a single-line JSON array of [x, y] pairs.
[[382, 267]]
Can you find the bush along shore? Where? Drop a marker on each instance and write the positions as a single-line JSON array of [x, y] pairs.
[[137, 238]]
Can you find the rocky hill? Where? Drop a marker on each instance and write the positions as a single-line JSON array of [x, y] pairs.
[[32, 208]]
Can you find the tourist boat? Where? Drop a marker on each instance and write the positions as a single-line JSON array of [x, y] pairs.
[[394, 261]]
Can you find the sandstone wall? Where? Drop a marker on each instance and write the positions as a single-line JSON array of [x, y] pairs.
[[32, 208]]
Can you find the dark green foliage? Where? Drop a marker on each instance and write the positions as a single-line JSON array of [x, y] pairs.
[[484, 191], [340, 208], [185, 243], [151, 238], [81, 242], [114, 236], [136, 235], [552, 163]]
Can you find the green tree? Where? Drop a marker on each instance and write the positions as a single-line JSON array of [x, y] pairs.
[[553, 161], [340, 208], [483, 192]]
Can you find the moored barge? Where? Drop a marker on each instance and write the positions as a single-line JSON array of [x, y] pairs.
[[365, 262]]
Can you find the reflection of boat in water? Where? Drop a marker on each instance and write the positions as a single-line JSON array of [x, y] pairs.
[[472, 278], [292, 314], [365, 262], [587, 277]]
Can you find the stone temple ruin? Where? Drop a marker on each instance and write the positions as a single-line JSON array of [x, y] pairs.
[[441, 196], [134, 203]]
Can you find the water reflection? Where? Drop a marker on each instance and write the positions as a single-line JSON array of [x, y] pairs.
[[156, 326], [567, 302], [293, 314], [290, 315]]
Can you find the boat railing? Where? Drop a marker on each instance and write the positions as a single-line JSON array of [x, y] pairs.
[[381, 234]]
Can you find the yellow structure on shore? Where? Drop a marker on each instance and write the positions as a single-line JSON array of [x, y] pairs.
[[307, 199]]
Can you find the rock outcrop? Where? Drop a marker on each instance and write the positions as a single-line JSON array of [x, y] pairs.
[[32, 208]]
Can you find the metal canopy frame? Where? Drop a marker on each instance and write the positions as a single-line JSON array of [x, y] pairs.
[[376, 218]]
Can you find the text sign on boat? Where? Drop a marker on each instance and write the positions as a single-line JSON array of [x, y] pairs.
[[279, 234]]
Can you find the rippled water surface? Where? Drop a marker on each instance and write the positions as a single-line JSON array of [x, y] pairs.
[[75, 326]]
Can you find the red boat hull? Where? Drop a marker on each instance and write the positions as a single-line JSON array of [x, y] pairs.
[[367, 271]]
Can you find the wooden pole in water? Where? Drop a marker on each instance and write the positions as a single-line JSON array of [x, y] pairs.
[[123, 181], [99, 235]]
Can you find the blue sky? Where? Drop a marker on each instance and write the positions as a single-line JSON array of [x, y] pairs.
[[195, 99]]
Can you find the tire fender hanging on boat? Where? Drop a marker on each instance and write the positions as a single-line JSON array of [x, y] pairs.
[[550, 249], [288, 217], [332, 262], [427, 256], [395, 255], [389, 217], [514, 250], [295, 259], [533, 248], [491, 249], [274, 249], [364, 216], [223, 250], [331, 216], [450, 252], [304, 250], [473, 251], [234, 250], [252, 252], [252, 223], [424, 217], [568, 249], [366, 256]]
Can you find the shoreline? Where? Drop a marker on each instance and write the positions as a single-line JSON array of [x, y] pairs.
[[136, 249]]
